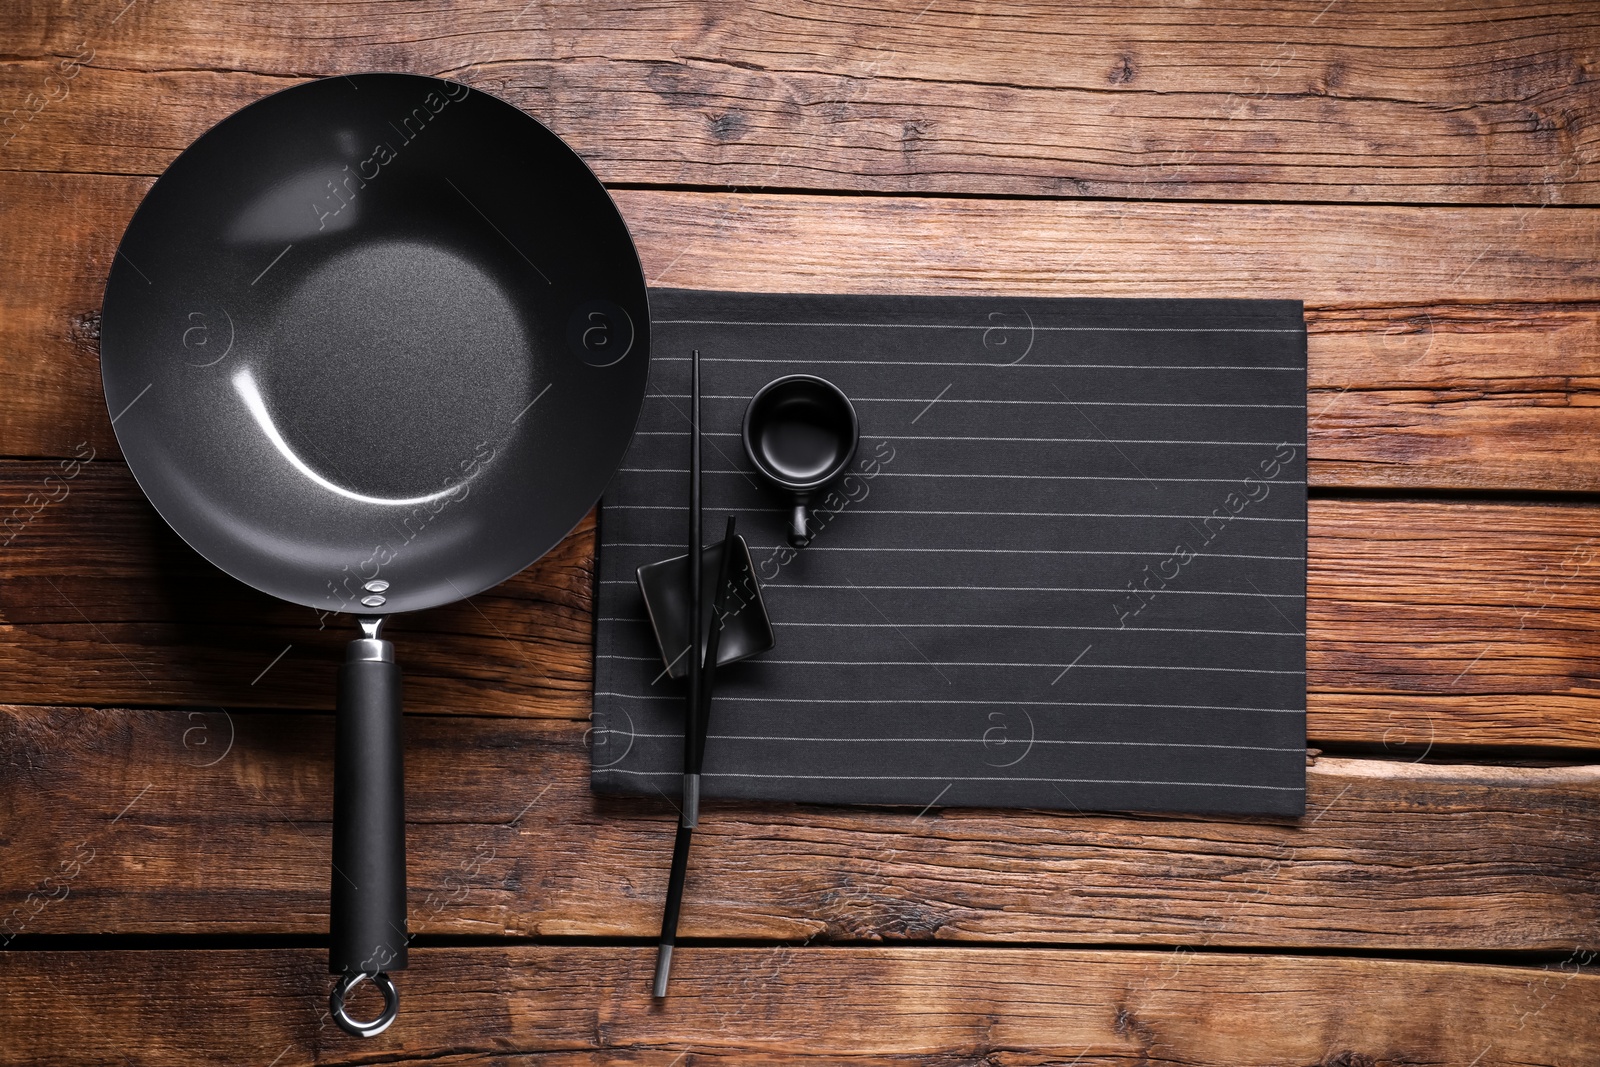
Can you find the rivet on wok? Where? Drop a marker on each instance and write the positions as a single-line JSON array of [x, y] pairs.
[[373, 601], [377, 585]]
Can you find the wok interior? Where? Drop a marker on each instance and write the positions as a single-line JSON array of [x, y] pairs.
[[393, 383], [382, 331]]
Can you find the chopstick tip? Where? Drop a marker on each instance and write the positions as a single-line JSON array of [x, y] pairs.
[[663, 970]]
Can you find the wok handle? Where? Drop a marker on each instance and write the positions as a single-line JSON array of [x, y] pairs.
[[367, 920]]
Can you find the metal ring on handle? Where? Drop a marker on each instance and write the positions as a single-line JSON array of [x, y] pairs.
[[355, 1027]]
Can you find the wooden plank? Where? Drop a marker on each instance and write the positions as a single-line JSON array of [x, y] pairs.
[[1490, 395], [160, 822], [1296, 101], [572, 1005], [1321, 254], [1449, 348], [1424, 628], [1429, 623]]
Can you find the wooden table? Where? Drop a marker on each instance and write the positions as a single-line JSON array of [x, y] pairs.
[[1424, 180]]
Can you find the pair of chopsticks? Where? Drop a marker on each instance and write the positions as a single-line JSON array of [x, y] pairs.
[[697, 710]]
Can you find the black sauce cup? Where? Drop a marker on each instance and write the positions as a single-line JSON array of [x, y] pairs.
[[801, 432]]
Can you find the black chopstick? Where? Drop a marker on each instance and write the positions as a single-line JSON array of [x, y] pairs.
[[691, 708], [669, 914], [692, 705], [695, 751]]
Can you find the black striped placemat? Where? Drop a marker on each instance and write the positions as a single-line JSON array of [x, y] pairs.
[[1068, 570]]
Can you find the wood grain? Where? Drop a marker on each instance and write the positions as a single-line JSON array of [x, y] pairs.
[[1488, 395], [1449, 348], [1423, 629], [1262, 100], [576, 1005], [1321, 254], [1429, 623], [178, 821]]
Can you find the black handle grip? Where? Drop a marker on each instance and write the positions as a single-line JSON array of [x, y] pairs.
[[798, 537], [367, 921]]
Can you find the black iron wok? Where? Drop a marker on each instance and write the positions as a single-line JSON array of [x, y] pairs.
[[373, 344]]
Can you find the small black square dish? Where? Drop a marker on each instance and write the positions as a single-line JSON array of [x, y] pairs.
[[747, 630]]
